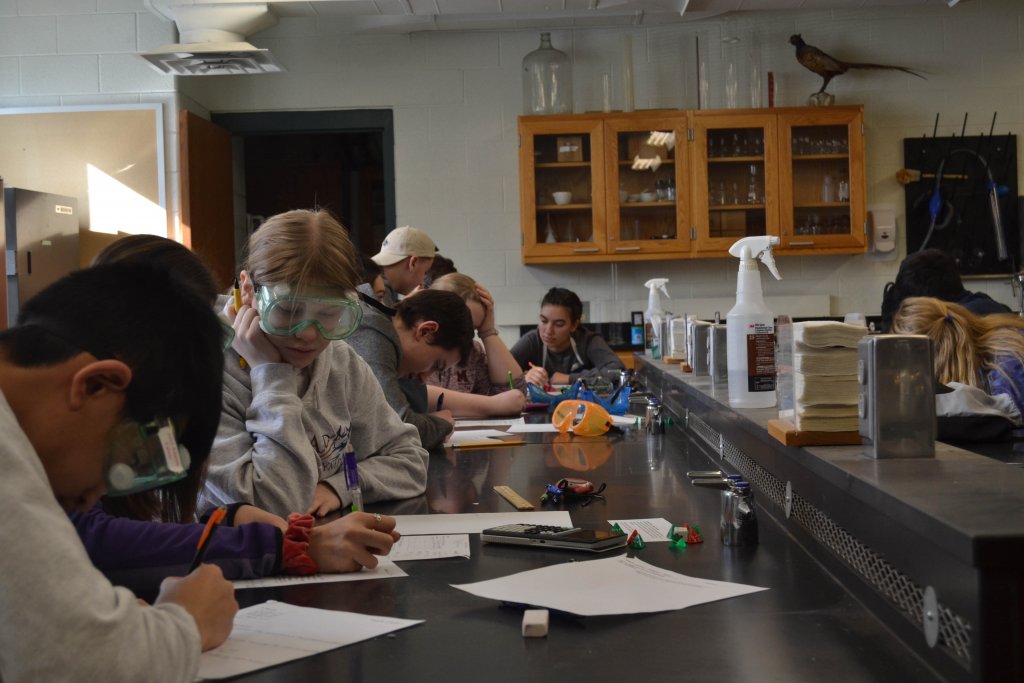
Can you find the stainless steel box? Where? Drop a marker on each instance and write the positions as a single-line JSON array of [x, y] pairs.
[[896, 396]]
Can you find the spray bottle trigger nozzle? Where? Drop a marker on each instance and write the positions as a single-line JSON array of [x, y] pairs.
[[769, 260]]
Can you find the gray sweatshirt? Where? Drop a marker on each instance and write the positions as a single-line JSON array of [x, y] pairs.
[[588, 357], [60, 619], [378, 343], [275, 443]]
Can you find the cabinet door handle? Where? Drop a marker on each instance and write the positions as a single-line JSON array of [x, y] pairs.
[[801, 244], [585, 250], [627, 248]]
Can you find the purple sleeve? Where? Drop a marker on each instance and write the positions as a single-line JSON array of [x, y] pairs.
[[139, 555]]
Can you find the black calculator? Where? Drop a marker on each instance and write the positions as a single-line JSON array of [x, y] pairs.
[[543, 536]]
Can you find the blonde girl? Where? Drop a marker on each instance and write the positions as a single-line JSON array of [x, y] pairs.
[[983, 351], [480, 387], [296, 397]]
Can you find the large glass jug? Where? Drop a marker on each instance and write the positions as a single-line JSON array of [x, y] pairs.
[[547, 80]]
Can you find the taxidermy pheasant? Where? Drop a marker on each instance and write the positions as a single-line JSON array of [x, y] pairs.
[[828, 67]]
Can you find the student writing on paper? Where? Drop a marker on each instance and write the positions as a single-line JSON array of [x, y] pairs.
[[426, 329], [560, 350], [88, 378], [131, 548], [489, 382], [305, 397]]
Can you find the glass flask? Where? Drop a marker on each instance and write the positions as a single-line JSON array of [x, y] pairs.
[[547, 80]]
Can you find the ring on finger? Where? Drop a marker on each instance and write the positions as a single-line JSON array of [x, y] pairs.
[[376, 518]]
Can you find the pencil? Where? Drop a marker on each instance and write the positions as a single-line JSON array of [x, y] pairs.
[[511, 385], [236, 292], [204, 541]]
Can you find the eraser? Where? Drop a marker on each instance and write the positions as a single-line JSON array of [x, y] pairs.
[[535, 623]]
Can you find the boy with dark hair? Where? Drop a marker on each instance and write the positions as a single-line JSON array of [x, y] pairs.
[[110, 379], [560, 350], [427, 329], [933, 273]]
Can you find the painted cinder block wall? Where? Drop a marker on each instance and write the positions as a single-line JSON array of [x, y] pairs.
[[456, 95]]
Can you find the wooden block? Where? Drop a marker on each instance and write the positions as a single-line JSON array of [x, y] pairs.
[[785, 432]]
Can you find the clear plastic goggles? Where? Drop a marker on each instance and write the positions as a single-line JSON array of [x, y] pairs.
[[144, 456], [228, 333], [583, 418], [283, 314]]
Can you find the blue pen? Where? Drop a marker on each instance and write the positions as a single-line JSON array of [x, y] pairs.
[[352, 480]]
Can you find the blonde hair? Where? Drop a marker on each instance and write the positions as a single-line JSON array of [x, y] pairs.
[[966, 346], [303, 247], [460, 284]]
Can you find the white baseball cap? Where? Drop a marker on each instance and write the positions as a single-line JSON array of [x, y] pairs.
[[402, 243]]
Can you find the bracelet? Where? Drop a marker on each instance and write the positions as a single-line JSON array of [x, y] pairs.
[[295, 558], [487, 333]]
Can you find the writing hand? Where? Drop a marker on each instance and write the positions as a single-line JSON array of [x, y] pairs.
[[208, 597], [352, 542]]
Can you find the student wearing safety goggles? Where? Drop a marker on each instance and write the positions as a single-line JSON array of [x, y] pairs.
[[296, 397], [100, 388], [131, 548]]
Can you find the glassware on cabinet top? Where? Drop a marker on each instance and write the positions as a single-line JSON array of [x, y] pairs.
[[547, 80]]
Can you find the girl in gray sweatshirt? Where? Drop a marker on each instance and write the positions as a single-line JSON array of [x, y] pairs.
[[296, 397]]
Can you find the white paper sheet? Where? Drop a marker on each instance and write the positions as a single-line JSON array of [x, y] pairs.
[[430, 547], [651, 530], [474, 437], [616, 585], [385, 569], [475, 522], [496, 422], [275, 632]]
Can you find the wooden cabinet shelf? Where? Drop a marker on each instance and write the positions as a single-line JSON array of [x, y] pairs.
[[791, 163]]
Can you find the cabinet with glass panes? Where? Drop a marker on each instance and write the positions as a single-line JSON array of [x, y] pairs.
[[735, 178], [678, 184], [822, 188]]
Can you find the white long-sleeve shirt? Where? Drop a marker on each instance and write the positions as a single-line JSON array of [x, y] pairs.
[[60, 619]]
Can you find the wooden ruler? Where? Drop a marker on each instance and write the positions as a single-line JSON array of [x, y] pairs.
[[511, 496]]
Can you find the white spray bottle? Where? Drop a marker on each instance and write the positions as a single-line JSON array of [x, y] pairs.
[[750, 328], [654, 316]]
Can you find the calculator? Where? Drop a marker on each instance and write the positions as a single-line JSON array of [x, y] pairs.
[[562, 537]]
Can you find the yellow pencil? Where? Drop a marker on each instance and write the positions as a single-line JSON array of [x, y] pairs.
[[237, 293]]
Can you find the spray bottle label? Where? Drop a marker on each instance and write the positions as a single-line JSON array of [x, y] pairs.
[[760, 357]]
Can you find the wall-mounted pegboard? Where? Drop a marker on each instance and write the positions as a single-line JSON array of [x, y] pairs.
[[952, 207]]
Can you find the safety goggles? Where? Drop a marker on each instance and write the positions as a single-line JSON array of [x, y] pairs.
[[583, 418], [227, 332], [284, 314], [144, 456]]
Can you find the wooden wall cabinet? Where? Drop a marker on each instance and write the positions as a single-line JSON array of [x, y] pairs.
[[796, 173]]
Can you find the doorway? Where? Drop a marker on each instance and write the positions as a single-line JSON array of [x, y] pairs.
[[342, 161]]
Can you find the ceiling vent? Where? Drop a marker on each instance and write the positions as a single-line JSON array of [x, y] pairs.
[[213, 42]]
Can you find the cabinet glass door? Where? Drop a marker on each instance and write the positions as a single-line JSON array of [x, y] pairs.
[[562, 190], [822, 185], [646, 169], [734, 178]]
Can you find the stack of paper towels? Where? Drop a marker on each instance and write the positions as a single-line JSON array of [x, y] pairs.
[[825, 375]]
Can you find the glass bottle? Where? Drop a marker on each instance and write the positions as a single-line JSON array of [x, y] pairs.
[[752, 193], [547, 80], [843, 192], [828, 192], [550, 236]]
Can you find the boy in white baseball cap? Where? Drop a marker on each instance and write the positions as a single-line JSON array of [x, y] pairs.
[[404, 258]]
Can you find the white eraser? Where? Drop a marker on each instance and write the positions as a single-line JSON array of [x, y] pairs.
[[535, 623]]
